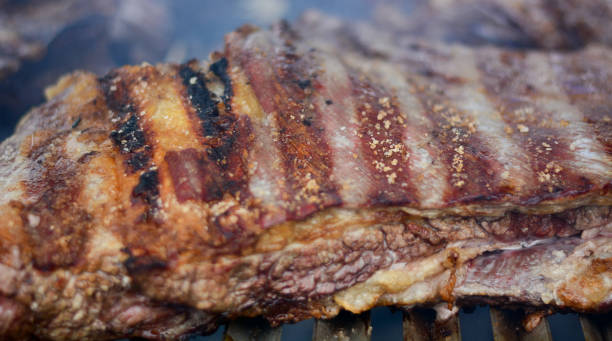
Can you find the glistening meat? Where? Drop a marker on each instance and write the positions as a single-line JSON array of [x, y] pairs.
[[304, 170]]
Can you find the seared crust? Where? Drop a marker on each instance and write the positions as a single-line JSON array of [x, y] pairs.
[[295, 176]]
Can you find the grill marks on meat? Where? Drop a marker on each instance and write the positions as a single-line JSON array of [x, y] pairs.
[[221, 168], [266, 171], [219, 68], [202, 101], [524, 122], [69, 277], [57, 226], [384, 154], [463, 100], [473, 171], [284, 89], [302, 138], [418, 136], [477, 142], [339, 119], [553, 133], [128, 136]]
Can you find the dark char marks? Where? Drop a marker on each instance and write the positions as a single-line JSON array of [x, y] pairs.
[[128, 136], [147, 188], [201, 99], [220, 167]]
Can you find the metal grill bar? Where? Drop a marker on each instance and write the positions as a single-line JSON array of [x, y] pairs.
[[590, 330], [252, 330], [419, 325], [344, 327], [597, 328], [507, 326]]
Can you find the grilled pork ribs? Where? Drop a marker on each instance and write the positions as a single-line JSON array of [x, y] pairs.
[[304, 170]]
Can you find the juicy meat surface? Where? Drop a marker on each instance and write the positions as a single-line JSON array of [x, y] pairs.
[[304, 170]]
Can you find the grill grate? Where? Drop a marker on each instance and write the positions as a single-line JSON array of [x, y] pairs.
[[419, 325]]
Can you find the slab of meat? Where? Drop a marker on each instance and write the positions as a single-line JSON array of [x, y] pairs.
[[304, 170]]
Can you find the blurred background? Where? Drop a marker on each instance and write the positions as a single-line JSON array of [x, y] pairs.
[[42, 40]]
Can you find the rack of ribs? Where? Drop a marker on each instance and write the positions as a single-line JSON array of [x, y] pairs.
[[303, 170]]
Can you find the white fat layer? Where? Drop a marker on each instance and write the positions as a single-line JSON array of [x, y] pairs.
[[340, 119], [264, 171], [420, 281], [265, 168], [422, 292]]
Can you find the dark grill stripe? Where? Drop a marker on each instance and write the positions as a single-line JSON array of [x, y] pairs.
[[147, 188], [54, 181], [385, 155], [335, 105], [303, 140], [202, 100], [220, 167], [472, 168], [305, 152], [427, 174], [129, 136]]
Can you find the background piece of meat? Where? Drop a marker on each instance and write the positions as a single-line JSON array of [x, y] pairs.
[[540, 24], [27, 27]]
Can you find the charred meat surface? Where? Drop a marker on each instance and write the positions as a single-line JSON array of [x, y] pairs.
[[304, 170]]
